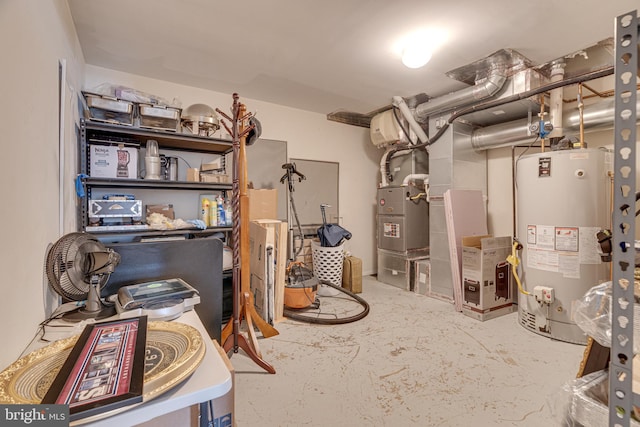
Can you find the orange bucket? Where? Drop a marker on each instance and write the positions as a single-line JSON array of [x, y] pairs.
[[299, 297]]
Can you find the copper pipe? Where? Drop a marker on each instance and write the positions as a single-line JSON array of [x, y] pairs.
[[592, 90], [581, 110], [605, 94], [513, 190]]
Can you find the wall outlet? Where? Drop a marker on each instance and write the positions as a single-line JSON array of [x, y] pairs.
[[544, 294]]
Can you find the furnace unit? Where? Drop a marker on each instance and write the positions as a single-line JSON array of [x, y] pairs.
[[403, 233]]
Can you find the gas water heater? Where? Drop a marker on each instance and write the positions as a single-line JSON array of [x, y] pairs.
[[563, 200]]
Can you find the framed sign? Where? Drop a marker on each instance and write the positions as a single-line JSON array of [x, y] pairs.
[[105, 369]]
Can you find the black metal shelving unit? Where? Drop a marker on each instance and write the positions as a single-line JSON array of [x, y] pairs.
[[93, 132]]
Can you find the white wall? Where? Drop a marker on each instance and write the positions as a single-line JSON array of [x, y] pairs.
[[34, 35]]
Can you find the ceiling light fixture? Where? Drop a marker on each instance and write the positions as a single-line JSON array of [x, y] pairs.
[[416, 48], [416, 55]]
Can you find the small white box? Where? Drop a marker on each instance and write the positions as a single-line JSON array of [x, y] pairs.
[[422, 277], [113, 161]]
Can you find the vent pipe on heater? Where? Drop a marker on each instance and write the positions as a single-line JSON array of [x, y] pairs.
[[555, 99]]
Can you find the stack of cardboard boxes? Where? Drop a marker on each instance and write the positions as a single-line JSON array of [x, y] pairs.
[[268, 253]]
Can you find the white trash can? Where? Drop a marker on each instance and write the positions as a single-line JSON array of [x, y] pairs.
[[327, 266]]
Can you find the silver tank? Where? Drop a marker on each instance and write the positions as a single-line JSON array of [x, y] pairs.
[[563, 199]]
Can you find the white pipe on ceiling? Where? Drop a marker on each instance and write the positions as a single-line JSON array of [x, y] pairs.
[[555, 99]]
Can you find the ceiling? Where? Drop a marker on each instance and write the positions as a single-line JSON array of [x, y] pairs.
[[332, 55]]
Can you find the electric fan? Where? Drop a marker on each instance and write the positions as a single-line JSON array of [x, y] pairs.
[[77, 267]]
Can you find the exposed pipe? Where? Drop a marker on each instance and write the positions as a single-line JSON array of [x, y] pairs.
[[581, 114], [595, 117], [424, 177], [383, 169], [555, 99], [501, 135], [513, 98], [599, 115], [484, 90], [385, 160], [415, 127]]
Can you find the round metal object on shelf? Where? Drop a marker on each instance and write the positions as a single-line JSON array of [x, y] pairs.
[[200, 119], [173, 352]]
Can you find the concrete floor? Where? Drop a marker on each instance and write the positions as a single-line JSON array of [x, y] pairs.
[[413, 361]]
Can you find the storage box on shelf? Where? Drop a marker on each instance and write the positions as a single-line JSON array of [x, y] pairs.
[[159, 117], [109, 109], [114, 110], [113, 161]]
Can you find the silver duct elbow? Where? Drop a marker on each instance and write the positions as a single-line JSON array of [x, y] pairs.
[[463, 97]]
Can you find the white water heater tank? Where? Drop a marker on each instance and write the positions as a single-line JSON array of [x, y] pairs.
[[563, 200]]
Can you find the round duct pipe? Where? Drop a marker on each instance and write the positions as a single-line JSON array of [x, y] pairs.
[[463, 97], [596, 117], [501, 135]]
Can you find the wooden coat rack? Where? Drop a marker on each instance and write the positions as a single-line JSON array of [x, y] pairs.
[[243, 306]]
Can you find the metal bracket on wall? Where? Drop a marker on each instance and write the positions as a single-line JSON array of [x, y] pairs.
[[621, 397]]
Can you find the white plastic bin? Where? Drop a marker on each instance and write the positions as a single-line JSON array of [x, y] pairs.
[[327, 265]]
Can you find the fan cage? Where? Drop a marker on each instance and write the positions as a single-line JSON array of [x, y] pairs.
[[67, 265]]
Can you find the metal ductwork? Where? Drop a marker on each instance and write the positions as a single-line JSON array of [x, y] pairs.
[[595, 116], [486, 89]]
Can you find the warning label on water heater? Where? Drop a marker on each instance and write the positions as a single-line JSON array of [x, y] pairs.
[[561, 249], [567, 239]]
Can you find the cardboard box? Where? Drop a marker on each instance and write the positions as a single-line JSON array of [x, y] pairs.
[[306, 254], [193, 175], [352, 274], [165, 209], [487, 290], [215, 165], [268, 274], [214, 177], [280, 258], [262, 269], [263, 204], [113, 161]]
